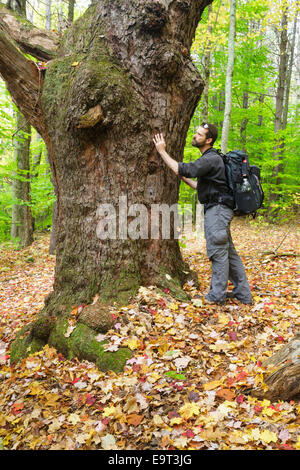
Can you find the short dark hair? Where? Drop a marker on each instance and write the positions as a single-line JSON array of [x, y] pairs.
[[212, 131]]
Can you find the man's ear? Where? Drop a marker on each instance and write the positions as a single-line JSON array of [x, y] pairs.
[[209, 138]]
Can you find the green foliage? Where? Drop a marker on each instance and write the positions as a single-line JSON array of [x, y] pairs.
[[255, 76], [42, 193], [255, 73]]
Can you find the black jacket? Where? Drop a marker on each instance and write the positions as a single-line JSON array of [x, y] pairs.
[[211, 178]]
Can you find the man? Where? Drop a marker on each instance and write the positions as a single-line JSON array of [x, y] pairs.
[[214, 193]]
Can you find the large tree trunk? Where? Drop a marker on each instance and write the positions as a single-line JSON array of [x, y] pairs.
[[122, 73]]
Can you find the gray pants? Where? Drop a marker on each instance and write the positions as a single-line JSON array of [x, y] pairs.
[[226, 263]]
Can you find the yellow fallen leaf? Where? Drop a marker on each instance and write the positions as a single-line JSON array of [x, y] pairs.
[[268, 411], [175, 421], [155, 376], [173, 306], [2, 420], [223, 319], [74, 64], [132, 343], [163, 348], [188, 410], [131, 405], [171, 331], [237, 438], [157, 420], [34, 443], [253, 435], [74, 418], [268, 436], [108, 411], [212, 385]]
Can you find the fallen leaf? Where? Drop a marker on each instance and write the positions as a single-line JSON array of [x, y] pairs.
[[135, 419]]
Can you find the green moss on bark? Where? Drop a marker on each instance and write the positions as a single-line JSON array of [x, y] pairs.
[[24, 345], [82, 344]]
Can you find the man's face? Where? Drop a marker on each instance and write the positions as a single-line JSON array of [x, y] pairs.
[[200, 138]]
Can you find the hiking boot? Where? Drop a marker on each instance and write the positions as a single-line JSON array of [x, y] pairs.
[[230, 295], [213, 302]]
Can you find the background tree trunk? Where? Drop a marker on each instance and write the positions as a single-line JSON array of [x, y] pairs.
[[122, 73], [206, 66], [229, 75], [71, 11], [289, 73], [279, 145], [22, 222]]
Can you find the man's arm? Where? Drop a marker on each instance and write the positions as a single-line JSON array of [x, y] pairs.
[[160, 145], [191, 183]]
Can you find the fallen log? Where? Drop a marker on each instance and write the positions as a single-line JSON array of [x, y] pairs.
[[284, 382]]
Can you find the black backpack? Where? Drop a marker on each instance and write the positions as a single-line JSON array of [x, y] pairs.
[[244, 182]]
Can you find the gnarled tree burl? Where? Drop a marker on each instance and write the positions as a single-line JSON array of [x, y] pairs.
[[121, 73]]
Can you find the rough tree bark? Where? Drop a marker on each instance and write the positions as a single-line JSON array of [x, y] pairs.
[[121, 73], [284, 382]]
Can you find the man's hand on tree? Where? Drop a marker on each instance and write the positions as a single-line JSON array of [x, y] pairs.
[[159, 143]]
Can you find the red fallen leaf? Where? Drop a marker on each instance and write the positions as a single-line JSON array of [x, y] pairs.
[[114, 316], [188, 433], [232, 335], [81, 401], [161, 302], [143, 379], [178, 387], [90, 400], [259, 364], [17, 408], [275, 407], [241, 376], [136, 367], [173, 414], [153, 312], [240, 398], [279, 339], [230, 381], [287, 447], [75, 381], [4, 358], [166, 291], [258, 408], [105, 421]]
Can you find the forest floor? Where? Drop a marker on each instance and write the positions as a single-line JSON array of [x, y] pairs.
[[186, 385]]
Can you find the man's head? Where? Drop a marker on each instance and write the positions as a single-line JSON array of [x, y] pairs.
[[205, 136]]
